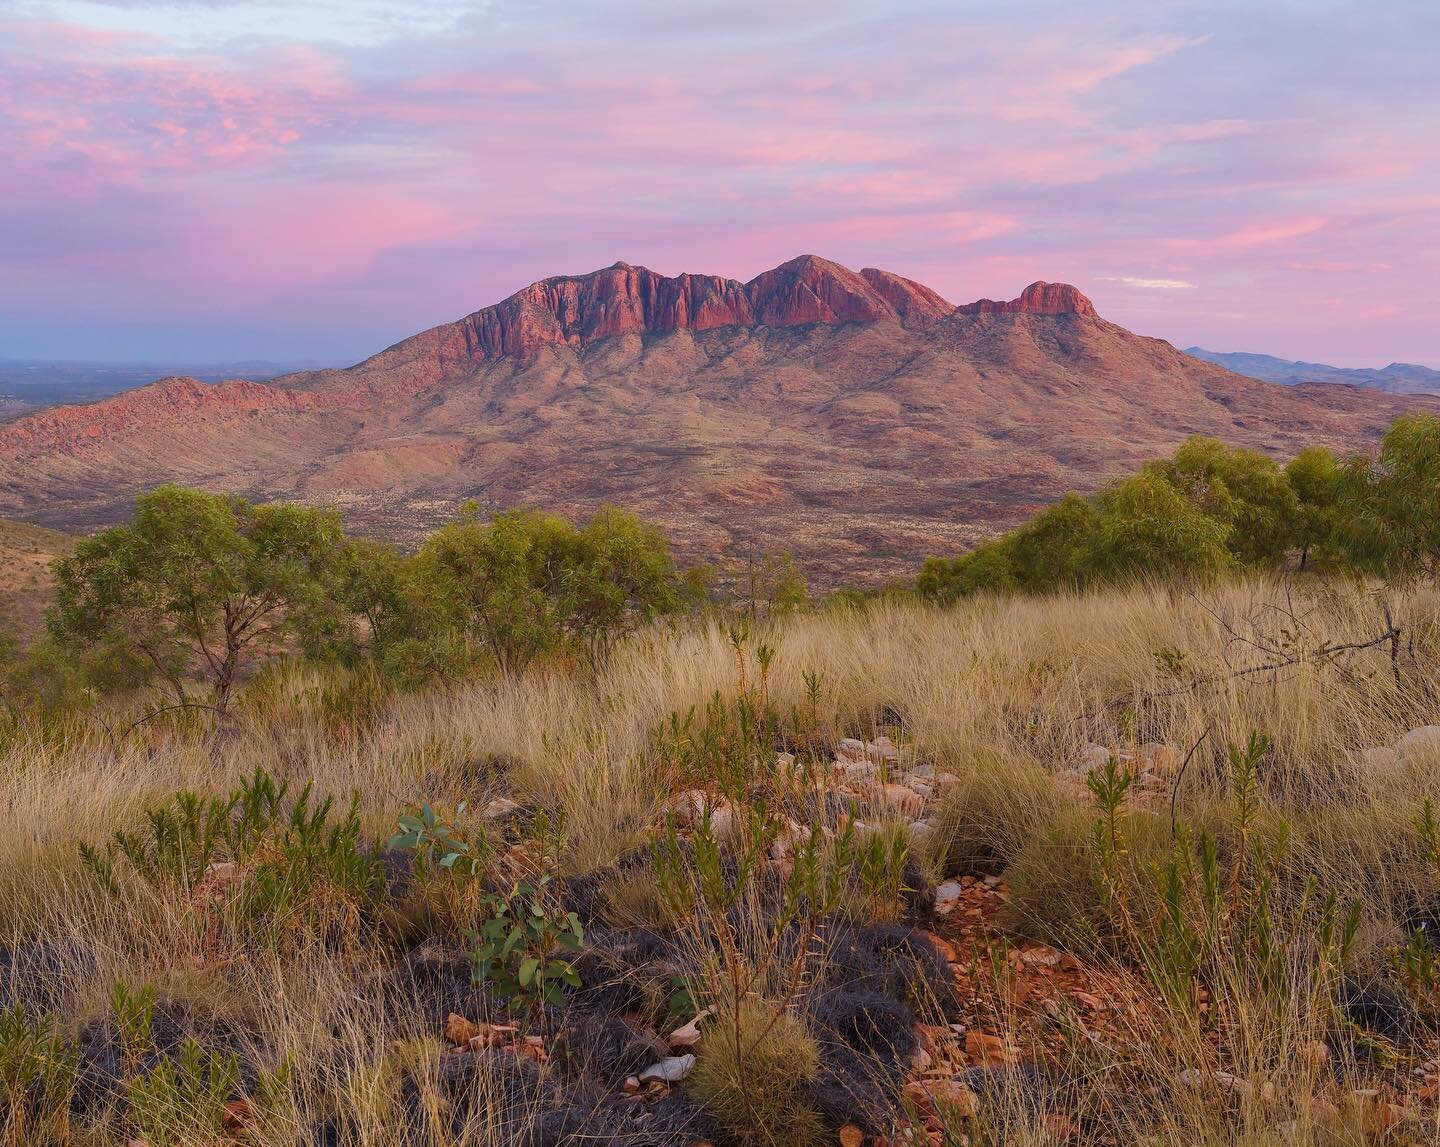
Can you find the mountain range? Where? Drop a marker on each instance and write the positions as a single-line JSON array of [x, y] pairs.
[[1397, 378], [857, 419]]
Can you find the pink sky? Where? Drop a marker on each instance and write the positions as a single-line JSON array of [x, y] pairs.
[[199, 179]]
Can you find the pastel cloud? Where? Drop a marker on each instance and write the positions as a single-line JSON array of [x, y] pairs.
[[220, 179], [1150, 284]]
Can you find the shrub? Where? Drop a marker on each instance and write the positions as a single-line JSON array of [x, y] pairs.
[[524, 583], [752, 1075], [297, 861], [37, 1077], [200, 583], [522, 926]]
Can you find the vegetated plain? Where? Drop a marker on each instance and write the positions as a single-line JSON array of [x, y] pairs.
[[1140, 851]]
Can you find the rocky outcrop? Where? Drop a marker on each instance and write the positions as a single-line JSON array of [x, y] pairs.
[[577, 310], [1036, 299]]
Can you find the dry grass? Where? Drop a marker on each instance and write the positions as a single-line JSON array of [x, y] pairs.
[[1004, 695]]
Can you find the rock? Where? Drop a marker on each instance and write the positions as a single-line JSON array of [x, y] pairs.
[[1092, 756], [1036, 299], [1380, 759], [671, 1069], [500, 807], [947, 896], [785, 760], [903, 800], [1419, 743], [1163, 760], [856, 771], [921, 831], [882, 748], [689, 807], [459, 1031], [950, 1096], [689, 1035], [852, 748], [921, 789], [987, 1048]]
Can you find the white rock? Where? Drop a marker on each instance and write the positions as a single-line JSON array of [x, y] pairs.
[[948, 893], [851, 747], [921, 788], [1092, 756], [500, 806], [1380, 759], [688, 807], [689, 1035], [1422, 742], [921, 830], [671, 1069]]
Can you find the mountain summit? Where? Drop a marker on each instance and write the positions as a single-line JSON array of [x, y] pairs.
[[854, 417]]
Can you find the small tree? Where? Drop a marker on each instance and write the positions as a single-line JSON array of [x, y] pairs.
[[621, 577], [198, 585], [1315, 476], [1148, 528], [503, 584], [1389, 513], [1242, 488]]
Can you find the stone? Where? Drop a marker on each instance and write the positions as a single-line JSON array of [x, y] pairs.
[[688, 1035], [459, 1031], [1380, 759], [1164, 760], [1092, 756], [921, 831], [671, 1069], [1419, 743], [903, 799], [689, 807]]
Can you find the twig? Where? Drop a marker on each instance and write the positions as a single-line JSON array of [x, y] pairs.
[[1180, 776]]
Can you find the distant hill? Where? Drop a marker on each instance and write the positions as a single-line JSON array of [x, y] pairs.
[[1397, 378], [28, 383], [857, 419]]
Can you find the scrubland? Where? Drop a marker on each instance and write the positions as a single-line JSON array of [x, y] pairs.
[[1138, 865]]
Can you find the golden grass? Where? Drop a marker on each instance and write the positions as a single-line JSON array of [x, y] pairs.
[[995, 692]]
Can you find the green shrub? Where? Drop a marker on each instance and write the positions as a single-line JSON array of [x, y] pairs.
[[523, 930], [298, 862], [37, 1076]]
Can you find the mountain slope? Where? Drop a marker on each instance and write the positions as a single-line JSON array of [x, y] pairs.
[[1397, 378], [856, 418], [26, 554]]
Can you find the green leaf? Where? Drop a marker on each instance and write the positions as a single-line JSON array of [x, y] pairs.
[[527, 972]]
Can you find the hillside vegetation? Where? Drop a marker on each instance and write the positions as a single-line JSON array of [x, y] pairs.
[[535, 837]]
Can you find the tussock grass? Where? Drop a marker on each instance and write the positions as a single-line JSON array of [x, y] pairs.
[[1004, 695]]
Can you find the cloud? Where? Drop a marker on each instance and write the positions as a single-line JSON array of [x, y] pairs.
[[272, 167], [1150, 284]]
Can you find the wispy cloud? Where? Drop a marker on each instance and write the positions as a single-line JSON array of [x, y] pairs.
[[321, 177], [1150, 284]]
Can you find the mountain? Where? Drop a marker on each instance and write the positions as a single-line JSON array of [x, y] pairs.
[[1397, 378], [855, 418]]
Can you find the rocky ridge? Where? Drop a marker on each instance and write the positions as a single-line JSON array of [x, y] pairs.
[[853, 417]]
